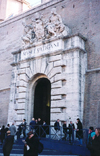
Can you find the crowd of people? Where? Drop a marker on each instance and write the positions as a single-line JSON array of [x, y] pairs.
[[69, 130], [93, 140], [31, 142], [7, 135]]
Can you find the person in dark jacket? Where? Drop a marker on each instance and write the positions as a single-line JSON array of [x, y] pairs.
[[57, 129], [71, 131], [64, 130], [31, 145], [79, 131], [7, 127], [39, 127], [39, 121], [23, 125], [3, 132], [32, 124], [95, 146], [57, 125], [44, 129], [91, 133], [8, 143]]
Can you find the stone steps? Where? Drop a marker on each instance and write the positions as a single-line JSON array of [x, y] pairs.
[[51, 148], [17, 150]]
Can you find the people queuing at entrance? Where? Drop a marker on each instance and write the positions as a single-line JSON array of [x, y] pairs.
[[41, 129]]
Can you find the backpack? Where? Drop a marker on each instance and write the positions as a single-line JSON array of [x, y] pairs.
[[40, 147]]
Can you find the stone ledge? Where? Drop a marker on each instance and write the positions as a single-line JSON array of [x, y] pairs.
[[16, 52], [77, 34], [58, 104], [93, 70], [59, 97], [61, 116]]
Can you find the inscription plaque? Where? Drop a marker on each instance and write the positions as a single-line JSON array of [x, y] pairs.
[[43, 49]]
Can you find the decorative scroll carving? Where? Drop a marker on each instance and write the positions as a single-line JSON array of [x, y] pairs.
[[41, 29]]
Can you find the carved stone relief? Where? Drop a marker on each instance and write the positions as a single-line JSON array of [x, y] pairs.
[[27, 37], [41, 29], [55, 25]]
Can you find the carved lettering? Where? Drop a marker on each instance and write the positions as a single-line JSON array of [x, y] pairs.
[[43, 49]]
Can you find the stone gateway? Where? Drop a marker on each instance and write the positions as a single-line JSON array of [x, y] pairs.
[[48, 75]]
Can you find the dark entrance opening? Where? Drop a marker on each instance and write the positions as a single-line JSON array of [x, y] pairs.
[[42, 100]]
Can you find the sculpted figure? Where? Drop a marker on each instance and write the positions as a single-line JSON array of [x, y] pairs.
[[55, 26], [27, 38], [41, 29], [38, 27]]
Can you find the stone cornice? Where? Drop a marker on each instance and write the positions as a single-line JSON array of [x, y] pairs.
[[56, 53], [4, 89], [16, 52], [50, 40], [77, 34]]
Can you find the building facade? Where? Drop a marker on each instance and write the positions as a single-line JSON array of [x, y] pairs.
[[10, 8], [50, 67]]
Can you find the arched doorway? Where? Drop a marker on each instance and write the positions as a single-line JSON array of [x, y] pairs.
[[42, 100]]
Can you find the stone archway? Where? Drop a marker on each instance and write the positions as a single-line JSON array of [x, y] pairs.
[[42, 100]]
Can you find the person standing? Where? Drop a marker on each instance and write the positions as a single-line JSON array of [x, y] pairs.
[[90, 135], [3, 132], [57, 128], [44, 129], [31, 145], [64, 130], [39, 130], [71, 131], [32, 124], [7, 127], [39, 121], [12, 129], [23, 125], [95, 146], [79, 131], [8, 143], [57, 125]]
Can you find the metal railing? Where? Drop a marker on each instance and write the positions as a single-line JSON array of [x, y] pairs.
[[69, 135]]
